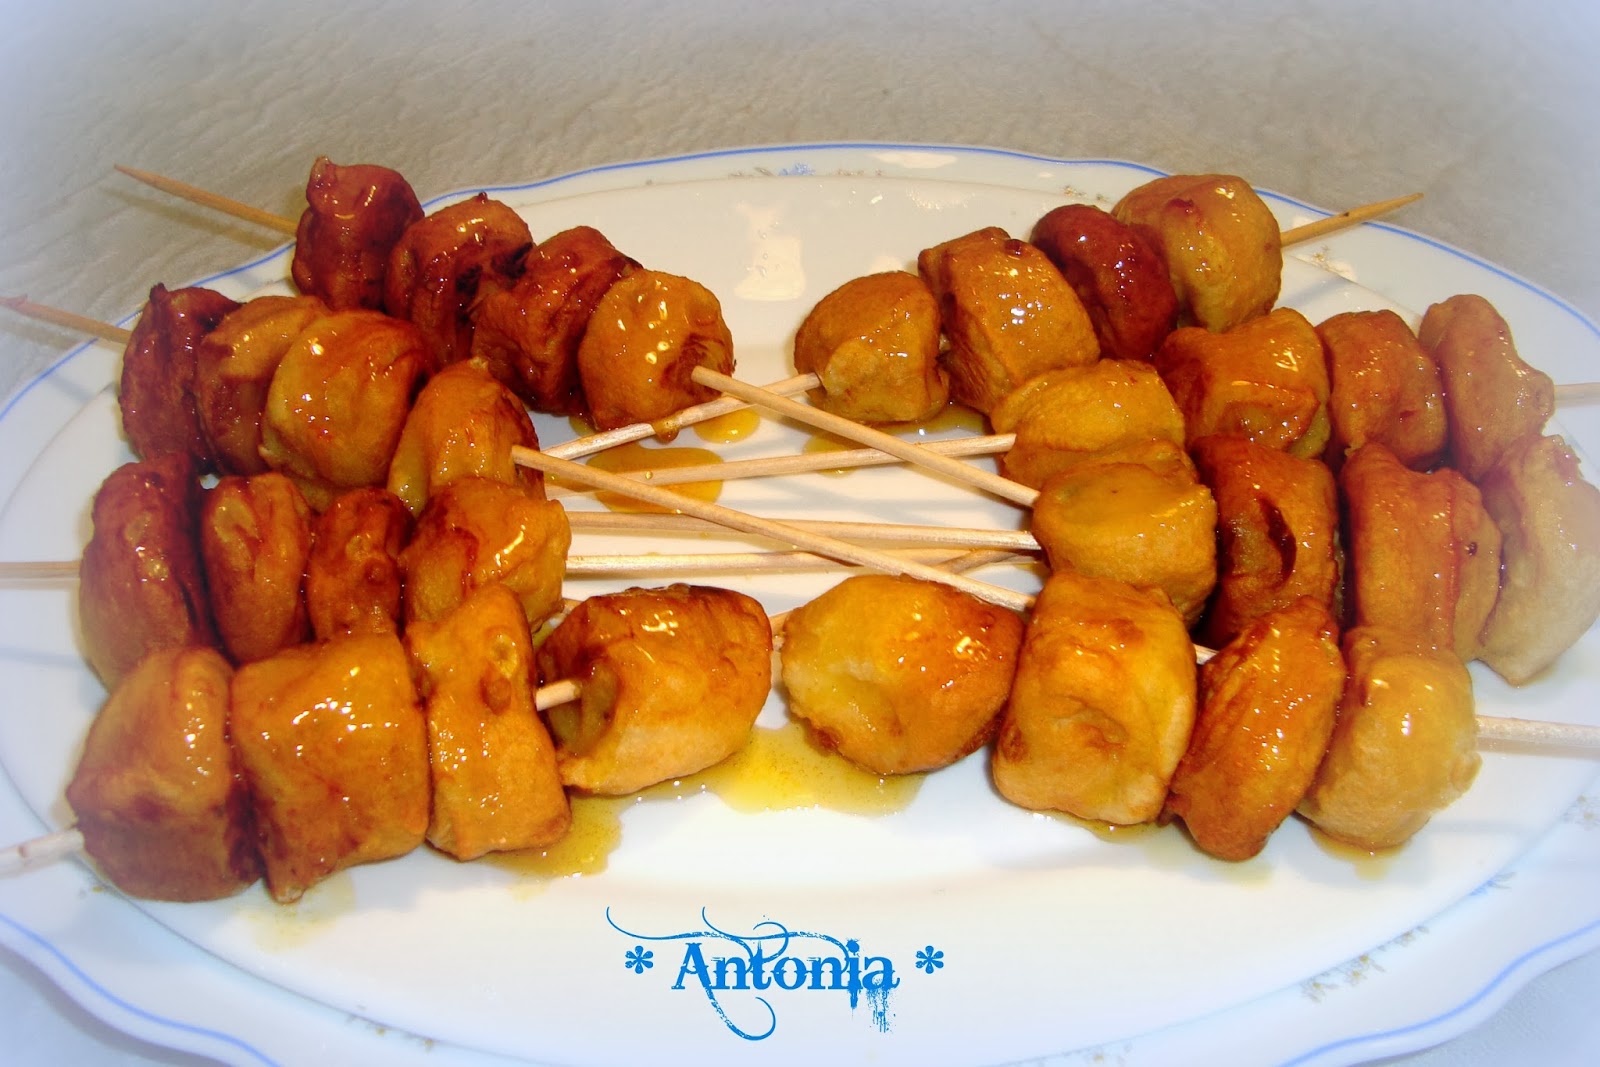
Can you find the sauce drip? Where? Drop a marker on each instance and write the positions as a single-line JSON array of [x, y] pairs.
[[637, 457], [725, 429]]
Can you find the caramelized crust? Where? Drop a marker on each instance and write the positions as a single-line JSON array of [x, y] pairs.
[[354, 216], [139, 582], [491, 761], [528, 335], [874, 342], [332, 743], [672, 680], [1267, 703], [1383, 386], [1007, 313], [156, 793], [157, 392], [255, 539], [898, 674], [353, 574]]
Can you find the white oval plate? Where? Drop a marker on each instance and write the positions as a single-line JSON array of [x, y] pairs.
[[961, 930]]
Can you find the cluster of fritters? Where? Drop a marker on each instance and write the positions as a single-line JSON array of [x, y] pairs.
[[329, 656]]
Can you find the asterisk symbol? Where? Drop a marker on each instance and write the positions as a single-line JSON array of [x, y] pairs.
[[930, 959], [639, 958]]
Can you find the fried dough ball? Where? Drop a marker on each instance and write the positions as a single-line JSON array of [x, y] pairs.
[[1147, 521], [1084, 414], [874, 342], [1382, 386], [1277, 532], [1267, 703], [353, 583], [1404, 742], [139, 582], [1102, 704], [156, 394], [234, 366], [255, 539], [1492, 397], [1220, 242], [475, 532], [339, 400], [1549, 521], [1424, 554], [647, 335], [1007, 313], [897, 674], [464, 421], [1118, 275], [492, 763], [443, 262], [332, 743], [528, 335], [1265, 379], [156, 793], [354, 216], [671, 679]]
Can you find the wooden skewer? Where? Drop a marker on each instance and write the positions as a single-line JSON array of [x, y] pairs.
[[866, 532], [72, 321], [1345, 219], [205, 198]]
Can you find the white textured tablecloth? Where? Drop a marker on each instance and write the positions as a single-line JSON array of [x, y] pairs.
[[1485, 107]]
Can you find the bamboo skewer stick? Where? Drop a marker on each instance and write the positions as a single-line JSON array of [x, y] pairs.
[[71, 320], [867, 532], [206, 198], [1345, 219]]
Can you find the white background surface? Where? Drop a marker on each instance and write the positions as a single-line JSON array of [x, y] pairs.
[[1484, 107]]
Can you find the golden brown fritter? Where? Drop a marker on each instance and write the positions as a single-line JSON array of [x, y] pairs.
[[492, 763], [1102, 704], [1119, 276], [1404, 742], [157, 794], [1492, 397], [671, 679], [1267, 703], [1220, 241], [1265, 379], [1549, 522], [528, 335], [332, 743], [1277, 532], [156, 394], [353, 583], [140, 586], [255, 539], [647, 335], [899, 674], [1424, 554], [354, 216], [1384, 387], [874, 342]]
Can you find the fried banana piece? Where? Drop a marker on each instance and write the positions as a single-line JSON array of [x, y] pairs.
[[464, 422], [528, 335], [1277, 532], [157, 794], [1404, 743], [234, 365], [491, 760], [1119, 276], [156, 393], [1492, 397], [354, 217], [1382, 386], [332, 743], [897, 674], [140, 586], [1007, 313], [1424, 553], [1267, 702], [353, 581], [1549, 521], [874, 342], [1148, 522], [646, 337], [1220, 242], [1084, 414], [475, 532], [339, 399], [255, 540], [671, 682], [1102, 705], [1265, 379]]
